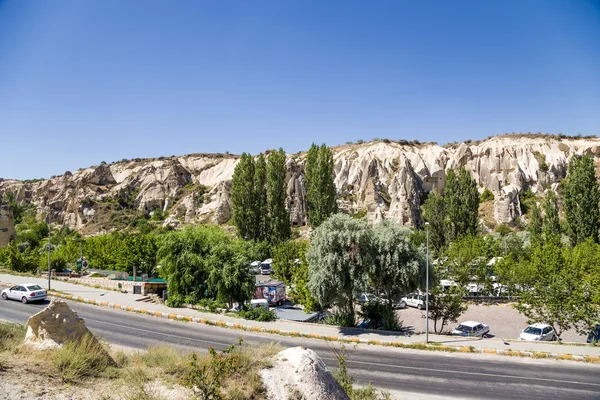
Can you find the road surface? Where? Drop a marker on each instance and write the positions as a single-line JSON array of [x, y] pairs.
[[405, 373]]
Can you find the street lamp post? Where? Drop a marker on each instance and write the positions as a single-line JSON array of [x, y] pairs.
[[427, 287], [48, 249]]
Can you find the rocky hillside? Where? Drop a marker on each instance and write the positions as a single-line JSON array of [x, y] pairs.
[[383, 179]]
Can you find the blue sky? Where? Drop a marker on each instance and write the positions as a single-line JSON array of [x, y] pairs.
[[88, 81]]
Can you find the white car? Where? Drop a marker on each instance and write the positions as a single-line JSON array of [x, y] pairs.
[[416, 300], [471, 328], [538, 332], [25, 293]]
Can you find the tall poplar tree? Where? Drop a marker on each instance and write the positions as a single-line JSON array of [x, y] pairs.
[[321, 194], [551, 227], [434, 212], [582, 197], [462, 204], [535, 227], [276, 194], [242, 199], [261, 209]]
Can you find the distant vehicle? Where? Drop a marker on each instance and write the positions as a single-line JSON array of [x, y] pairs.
[[255, 268], [594, 336], [413, 300], [471, 328], [265, 267], [368, 297], [26, 293], [273, 292], [255, 303], [538, 332]]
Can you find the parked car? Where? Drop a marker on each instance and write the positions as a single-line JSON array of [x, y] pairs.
[[368, 297], [413, 300], [538, 332], [594, 335], [471, 328], [255, 268], [26, 293], [265, 267]]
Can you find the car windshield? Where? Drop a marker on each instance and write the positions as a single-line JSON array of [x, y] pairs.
[[533, 331], [34, 287], [265, 266], [464, 328]]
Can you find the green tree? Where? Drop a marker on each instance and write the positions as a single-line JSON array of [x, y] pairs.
[[582, 197], [261, 209], [445, 307], [276, 195], [243, 211], [551, 226], [468, 257], [229, 278], [286, 259], [536, 225], [398, 267], [551, 296], [320, 192], [462, 204], [339, 255], [184, 258], [434, 212]]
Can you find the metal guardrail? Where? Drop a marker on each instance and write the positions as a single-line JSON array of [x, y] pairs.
[[491, 299]]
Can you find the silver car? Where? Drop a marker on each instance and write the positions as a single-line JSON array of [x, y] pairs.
[[25, 293]]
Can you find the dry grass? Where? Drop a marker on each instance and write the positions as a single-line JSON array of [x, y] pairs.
[[157, 373]]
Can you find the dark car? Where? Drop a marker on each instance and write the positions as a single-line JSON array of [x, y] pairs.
[[594, 336]]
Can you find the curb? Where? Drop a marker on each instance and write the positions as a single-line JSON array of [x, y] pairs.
[[330, 338]]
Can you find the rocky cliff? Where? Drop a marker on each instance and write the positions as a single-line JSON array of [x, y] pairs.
[[383, 179]]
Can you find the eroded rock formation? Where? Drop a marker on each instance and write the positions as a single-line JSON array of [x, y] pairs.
[[379, 179]]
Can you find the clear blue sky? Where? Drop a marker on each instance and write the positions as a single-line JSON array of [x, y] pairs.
[[88, 81]]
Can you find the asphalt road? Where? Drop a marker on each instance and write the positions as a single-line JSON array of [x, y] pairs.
[[422, 374]]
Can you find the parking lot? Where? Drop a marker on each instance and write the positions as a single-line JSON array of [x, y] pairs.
[[505, 322]]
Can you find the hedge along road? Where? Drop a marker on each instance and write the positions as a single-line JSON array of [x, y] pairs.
[[401, 371]]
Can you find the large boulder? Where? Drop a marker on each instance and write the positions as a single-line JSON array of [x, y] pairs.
[[300, 372], [54, 325]]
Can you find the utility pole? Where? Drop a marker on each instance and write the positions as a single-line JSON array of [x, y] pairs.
[[427, 287]]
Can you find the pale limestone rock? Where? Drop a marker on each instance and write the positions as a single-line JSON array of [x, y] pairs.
[[54, 325], [299, 372], [7, 226], [386, 179]]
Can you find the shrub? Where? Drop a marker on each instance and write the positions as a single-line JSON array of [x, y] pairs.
[[11, 335], [487, 195], [175, 300], [258, 314], [75, 360], [340, 319]]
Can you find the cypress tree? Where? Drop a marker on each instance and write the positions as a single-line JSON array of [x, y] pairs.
[[434, 212]]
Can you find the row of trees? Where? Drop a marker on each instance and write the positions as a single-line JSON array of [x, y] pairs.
[[258, 193], [259, 188]]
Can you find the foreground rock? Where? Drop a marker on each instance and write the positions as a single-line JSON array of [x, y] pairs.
[[54, 325], [299, 373]]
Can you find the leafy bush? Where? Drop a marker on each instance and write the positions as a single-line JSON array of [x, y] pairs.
[[258, 314], [487, 195], [211, 305], [175, 300], [380, 316], [340, 319]]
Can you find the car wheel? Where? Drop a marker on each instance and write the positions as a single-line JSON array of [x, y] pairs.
[[24, 300], [402, 304], [4, 296], [420, 306]]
